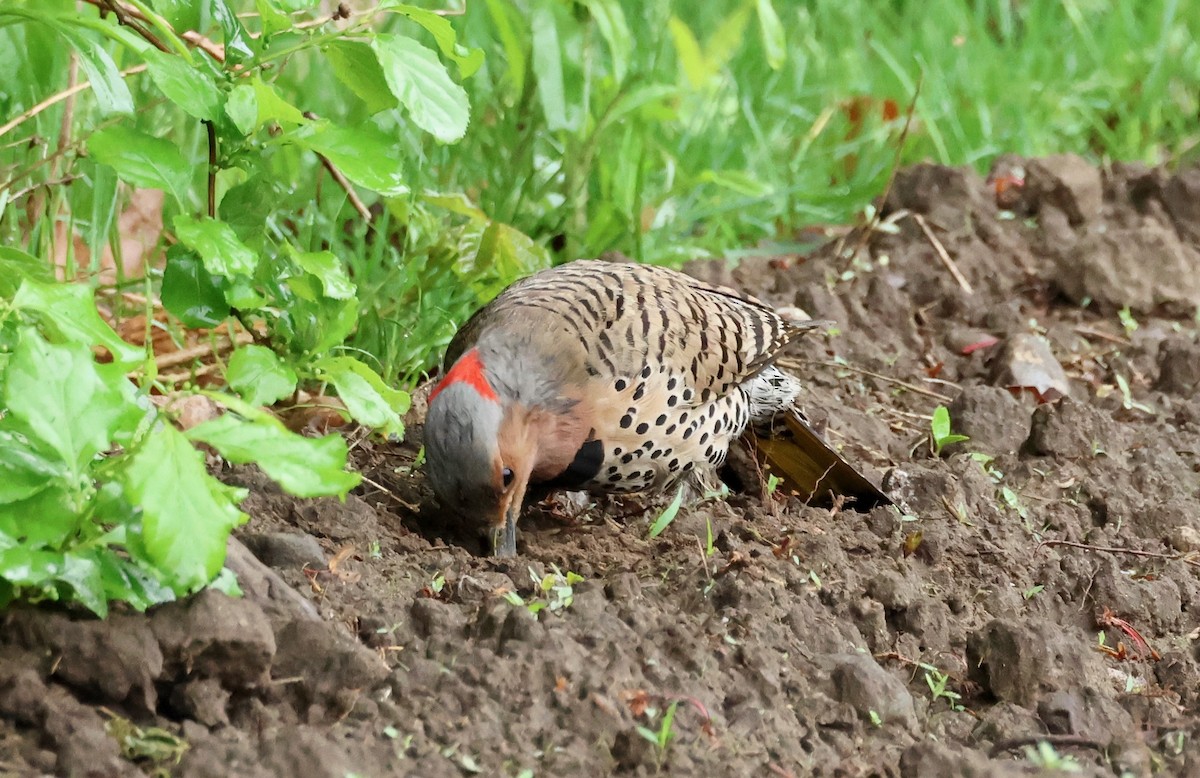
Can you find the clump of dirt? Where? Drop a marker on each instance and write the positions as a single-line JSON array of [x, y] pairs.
[[1038, 583]]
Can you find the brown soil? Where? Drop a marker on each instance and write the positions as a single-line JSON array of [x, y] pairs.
[[810, 642]]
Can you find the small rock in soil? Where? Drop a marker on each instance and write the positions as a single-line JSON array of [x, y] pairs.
[[326, 661], [118, 659], [211, 635], [1008, 660], [1071, 430], [285, 550], [1179, 366], [1026, 364], [1067, 182], [203, 700], [860, 681], [995, 422]]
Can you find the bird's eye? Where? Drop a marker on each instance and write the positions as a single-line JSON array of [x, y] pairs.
[[507, 475]]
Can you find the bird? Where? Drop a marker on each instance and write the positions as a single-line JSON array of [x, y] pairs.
[[610, 377]]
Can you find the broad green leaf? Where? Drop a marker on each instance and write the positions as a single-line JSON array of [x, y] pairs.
[[468, 60], [370, 401], [16, 266], [190, 292], [272, 107], [420, 82], [131, 581], [81, 572], [273, 19], [355, 65], [143, 160], [667, 516], [328, 269], [610, 20], [58, 396], [505, 18], [112, 94], [47, 518], [186, 513], [219, 247], [180, 14], [304, 467], [737, 181], [366, 154], [242, 108], [238, 45], [728, 38], [259, 375], [695, 67], [189, 87], [69, 310], [774, 41], [547, 64], [23, 470], [41, 570]]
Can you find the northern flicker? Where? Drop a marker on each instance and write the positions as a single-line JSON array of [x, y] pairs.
[[607, 377]]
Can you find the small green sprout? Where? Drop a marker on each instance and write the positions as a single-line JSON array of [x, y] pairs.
[[939, 428], [554, 591], [937, 681], [1033, 591], [1045, 757], [1129, 323], [665, 734], [667, 516]]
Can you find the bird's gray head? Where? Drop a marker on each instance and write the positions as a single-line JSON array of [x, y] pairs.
[[476, 457]]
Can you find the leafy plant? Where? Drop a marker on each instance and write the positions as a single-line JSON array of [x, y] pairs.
[[662, 737], [938, 682], [553, 591], [668, 515], [939, 431]]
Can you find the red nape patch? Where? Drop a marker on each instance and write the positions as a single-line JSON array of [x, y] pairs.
[[468, 369]]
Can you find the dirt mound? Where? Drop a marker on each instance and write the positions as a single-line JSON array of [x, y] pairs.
[[1040, 582]]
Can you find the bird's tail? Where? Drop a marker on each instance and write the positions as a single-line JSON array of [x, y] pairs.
[[794, 452]]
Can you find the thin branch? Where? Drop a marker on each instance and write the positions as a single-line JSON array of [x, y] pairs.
[[887, 189], [342, 181], [943, 255], [878, 376], [212, 168], [1012, 744], [1188, 558], [57, 98]]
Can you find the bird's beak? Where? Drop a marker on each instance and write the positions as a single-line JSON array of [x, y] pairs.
[[504, 536]]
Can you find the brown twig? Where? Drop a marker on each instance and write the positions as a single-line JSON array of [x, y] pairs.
[[1014, 743], [128, 16], [1188, 558], [212, 167], [220, 343], [878, 376], [887, 189], [342, 181], [57, 98], [942, 254]]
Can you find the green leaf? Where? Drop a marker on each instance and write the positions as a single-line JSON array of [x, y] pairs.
[[41, 569], [272, 107], [16, 266], [273, 19], [420, 82], [370, 401], [774, 41], [505, 18], [242, 108], [218, 245], [695, 66], [328, 269], [940, 422], [112, 95], [610, 20], [365, 154], [61, 399], [468, 60], [143, 160], [189, 87], [46, 518], [355, 65], [259, 375], [238, 47], [667, 516], [23, 470], [69, 310], [547, 63], [190, 292], [304, 467], [186, 513]]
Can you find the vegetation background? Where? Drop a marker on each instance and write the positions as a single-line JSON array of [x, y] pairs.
[[267, 202]]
